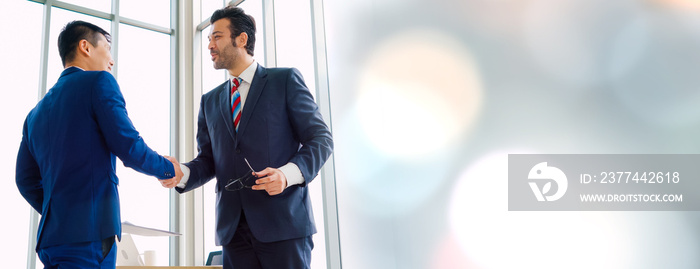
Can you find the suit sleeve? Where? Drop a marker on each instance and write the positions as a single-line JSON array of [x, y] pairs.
[[28, 175], [308, 126], [120, 135], [202, 167]]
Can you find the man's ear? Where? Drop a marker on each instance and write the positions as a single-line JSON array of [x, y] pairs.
[[242, 39], [84, 47]]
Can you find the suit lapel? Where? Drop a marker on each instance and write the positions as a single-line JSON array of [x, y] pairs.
[[256, 88], [225, 106]]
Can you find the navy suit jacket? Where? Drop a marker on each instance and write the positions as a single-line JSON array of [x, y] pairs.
[[66, 160], [280, 123]]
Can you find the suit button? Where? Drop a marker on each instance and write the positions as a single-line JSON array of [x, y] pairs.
[[238, 151]]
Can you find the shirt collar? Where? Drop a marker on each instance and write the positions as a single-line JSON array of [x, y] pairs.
[[248, 74], [76, 67]]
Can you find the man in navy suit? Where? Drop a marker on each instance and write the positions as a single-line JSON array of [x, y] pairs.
[[66, 160], [264, 126]]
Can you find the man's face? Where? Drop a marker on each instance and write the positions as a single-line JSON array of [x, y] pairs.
[[224, 52], [101, 57]]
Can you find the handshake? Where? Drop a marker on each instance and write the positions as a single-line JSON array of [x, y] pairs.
[[271, 180], [172, 182]]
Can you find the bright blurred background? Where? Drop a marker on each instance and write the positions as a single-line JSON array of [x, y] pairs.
[[429, 97]]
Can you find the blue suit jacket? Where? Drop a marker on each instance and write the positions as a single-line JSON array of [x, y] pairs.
[[280, 123], [66, 160]]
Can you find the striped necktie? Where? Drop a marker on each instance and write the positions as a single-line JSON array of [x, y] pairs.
[[236, 102]]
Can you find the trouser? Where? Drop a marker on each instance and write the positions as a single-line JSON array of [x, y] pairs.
[[96, 254], [246, 252]]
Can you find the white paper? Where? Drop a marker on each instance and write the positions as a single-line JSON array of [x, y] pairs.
[[129, 228]]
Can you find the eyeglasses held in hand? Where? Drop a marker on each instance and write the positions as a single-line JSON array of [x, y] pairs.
[[246, 181]]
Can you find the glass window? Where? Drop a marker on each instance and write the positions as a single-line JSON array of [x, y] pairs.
[[20, 96], [59, 19], [144, 202], [101, 5], [144, 78], [293, 34], [152, 11], [209, 6]]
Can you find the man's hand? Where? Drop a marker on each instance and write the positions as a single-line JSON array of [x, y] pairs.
[[170, 183], [271, 180]]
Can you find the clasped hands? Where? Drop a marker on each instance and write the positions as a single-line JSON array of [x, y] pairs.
[[271, 180], [172, 182]]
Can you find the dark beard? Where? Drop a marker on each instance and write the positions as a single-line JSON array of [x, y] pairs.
[[222, 65], [225, 62]]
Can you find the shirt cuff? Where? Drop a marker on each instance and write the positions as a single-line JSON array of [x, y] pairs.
[[185, 176], [292, 173]]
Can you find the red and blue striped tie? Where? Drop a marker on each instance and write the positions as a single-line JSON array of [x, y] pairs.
[[236, 102]]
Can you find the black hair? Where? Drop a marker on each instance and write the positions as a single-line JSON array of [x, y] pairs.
[[240, 22], [73, 33]]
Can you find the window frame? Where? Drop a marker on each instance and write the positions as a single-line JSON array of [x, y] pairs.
[[185, 32], [115, 21]]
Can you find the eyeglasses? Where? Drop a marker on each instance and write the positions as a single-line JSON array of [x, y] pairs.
[[246, 181]]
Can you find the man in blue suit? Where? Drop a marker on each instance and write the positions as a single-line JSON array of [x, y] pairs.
[[267, 118], [66, 160]]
